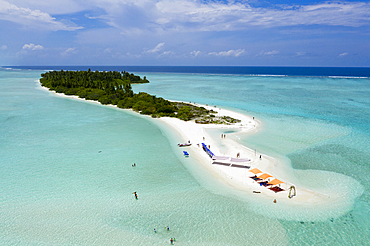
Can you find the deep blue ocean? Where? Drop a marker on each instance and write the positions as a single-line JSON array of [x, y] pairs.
[[281, 71], [66, 176]]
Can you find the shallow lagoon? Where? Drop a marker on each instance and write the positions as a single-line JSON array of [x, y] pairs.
[[312, 123], [67, 177]]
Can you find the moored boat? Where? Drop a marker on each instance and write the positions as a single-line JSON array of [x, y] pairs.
[[184, 144]]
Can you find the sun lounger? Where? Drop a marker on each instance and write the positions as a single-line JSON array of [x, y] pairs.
[[264, 183], [241, 166], [221, 163], [255, 178], [276, 189]]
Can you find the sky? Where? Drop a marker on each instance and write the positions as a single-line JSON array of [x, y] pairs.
[[185, 33]]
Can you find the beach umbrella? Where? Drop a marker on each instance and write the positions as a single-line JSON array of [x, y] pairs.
[[264, 176], [255, 170], [275, 182]]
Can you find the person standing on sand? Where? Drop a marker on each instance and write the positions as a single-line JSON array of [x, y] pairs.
[[171, 240]]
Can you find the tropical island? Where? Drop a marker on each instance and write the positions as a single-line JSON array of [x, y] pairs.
[[115, 88], [270, 181]]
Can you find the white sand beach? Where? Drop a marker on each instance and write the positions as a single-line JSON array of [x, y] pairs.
[[310, 203], [235, 174], [299, 207]]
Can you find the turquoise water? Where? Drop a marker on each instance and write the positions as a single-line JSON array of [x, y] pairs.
[[66, 176]]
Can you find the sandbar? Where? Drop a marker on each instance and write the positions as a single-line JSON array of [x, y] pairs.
[[307, 204]]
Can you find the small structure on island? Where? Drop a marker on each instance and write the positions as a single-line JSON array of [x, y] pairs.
[[292, 191]]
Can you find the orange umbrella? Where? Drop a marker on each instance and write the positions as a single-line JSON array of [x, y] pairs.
[[275, 182], [255, 171], [265, 176]]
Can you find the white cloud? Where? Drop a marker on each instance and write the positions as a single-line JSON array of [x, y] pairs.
[[32, 18], [4, 47], [184, 15], [215, 16], [54, 7], [156, 49], [195, 53], [300, 53], [166, 53], [32, 47], [343, 54], [234, 53], [133, 55], [269, 53], [69, 51]]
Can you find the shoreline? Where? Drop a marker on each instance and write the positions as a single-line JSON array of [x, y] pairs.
[[239, 178]]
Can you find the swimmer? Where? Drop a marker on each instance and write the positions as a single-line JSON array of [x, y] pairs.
[[135, 195]]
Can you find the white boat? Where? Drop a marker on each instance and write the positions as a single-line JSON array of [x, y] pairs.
[[184, 144]]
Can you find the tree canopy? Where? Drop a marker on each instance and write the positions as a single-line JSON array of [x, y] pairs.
[[115, 88]]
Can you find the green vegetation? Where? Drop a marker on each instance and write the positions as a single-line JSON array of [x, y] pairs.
[[115, 88]]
